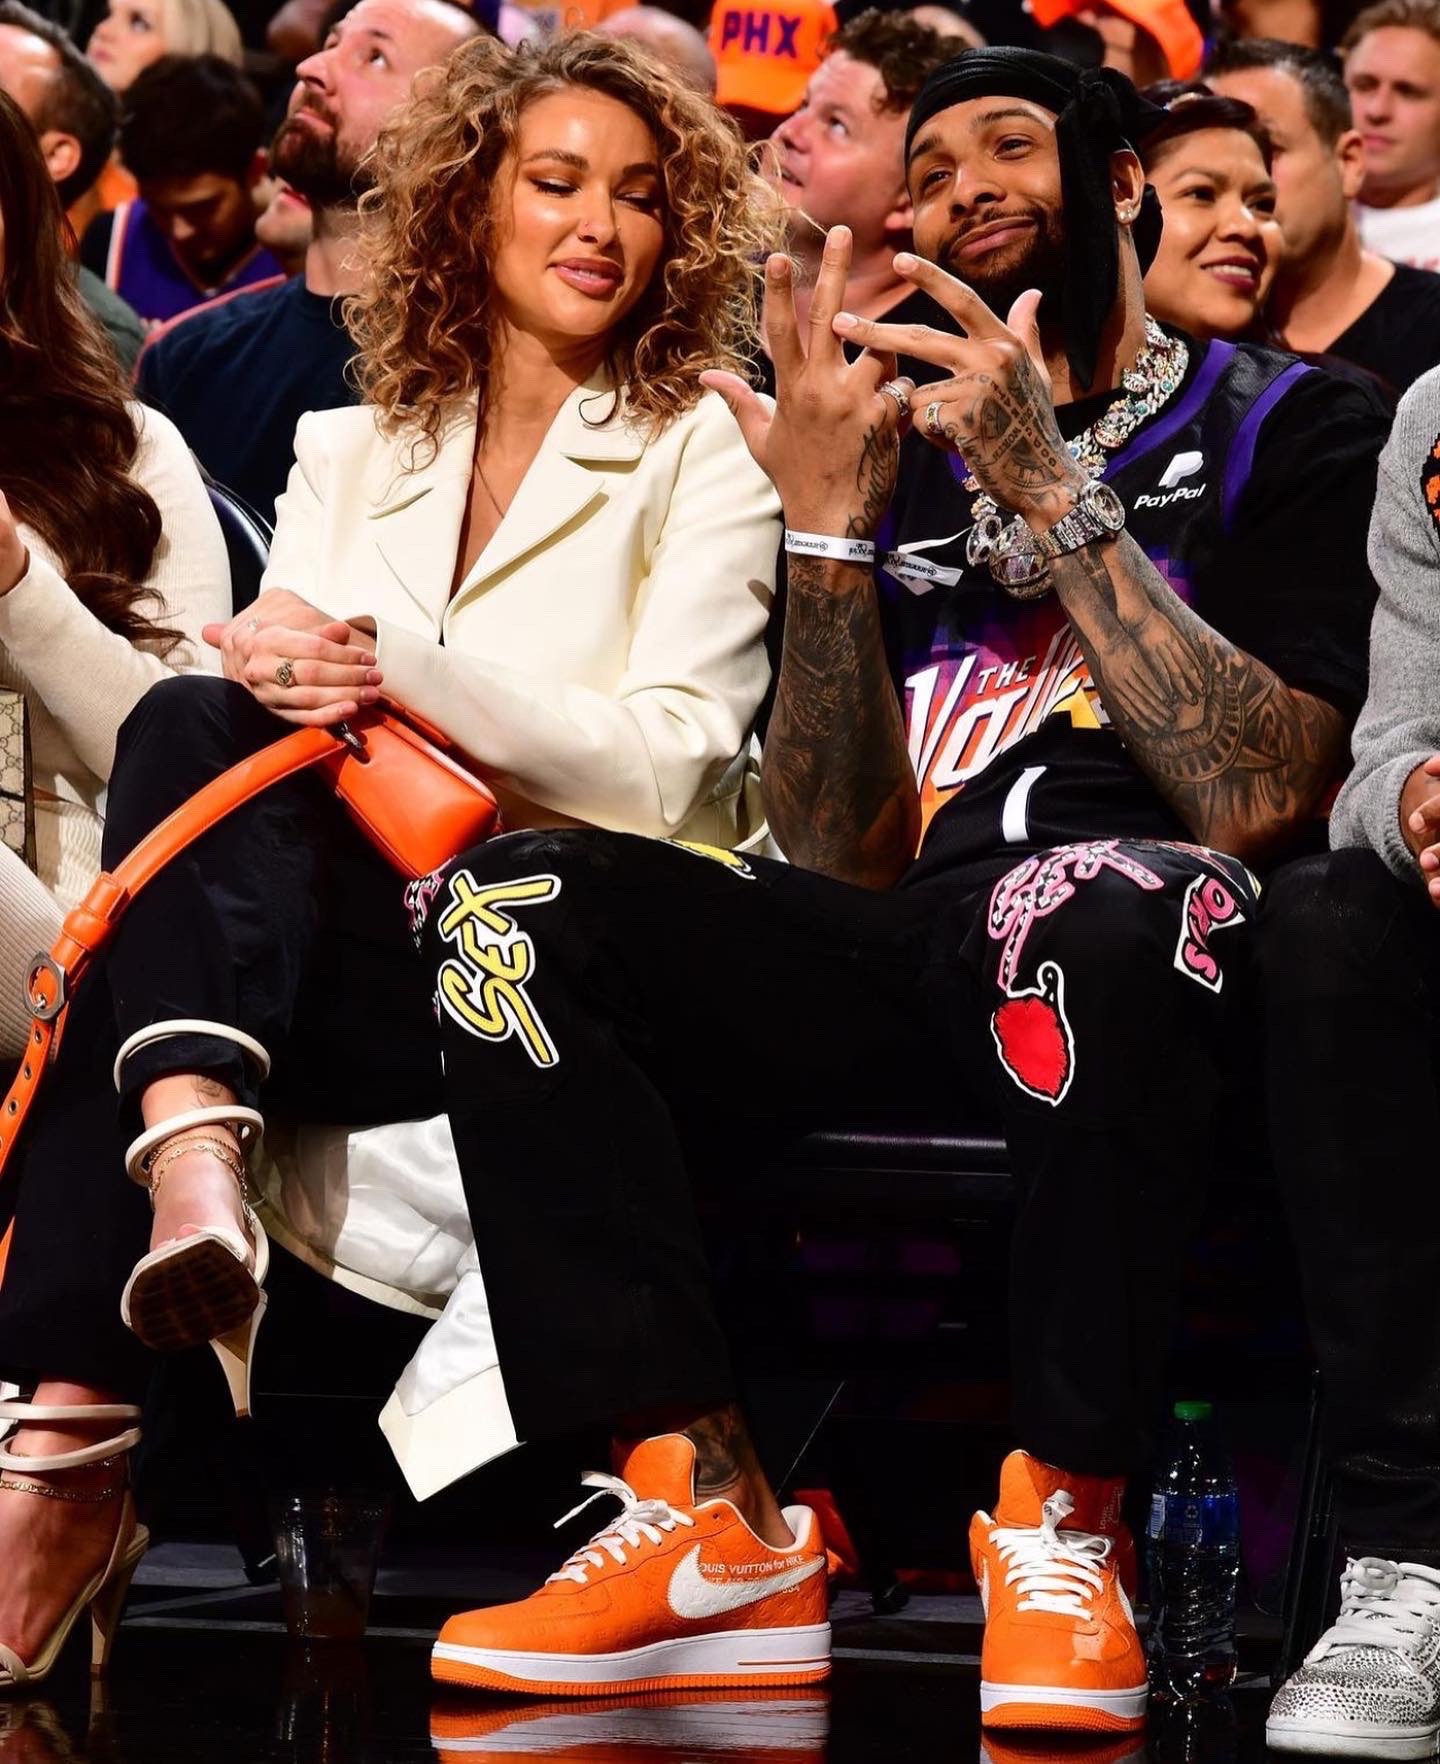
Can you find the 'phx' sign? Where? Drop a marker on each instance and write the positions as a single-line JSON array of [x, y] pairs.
[[758, 31]]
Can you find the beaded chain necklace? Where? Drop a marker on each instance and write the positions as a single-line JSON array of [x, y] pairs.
[[1008, 546]]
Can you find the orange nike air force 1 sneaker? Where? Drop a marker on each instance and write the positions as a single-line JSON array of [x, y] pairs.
[[673, 1594], [1060, 1651]]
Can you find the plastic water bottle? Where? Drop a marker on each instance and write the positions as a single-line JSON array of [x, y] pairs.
[[1194, 1559]]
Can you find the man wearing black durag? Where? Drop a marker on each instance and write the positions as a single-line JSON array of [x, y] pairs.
[[1060, 667]]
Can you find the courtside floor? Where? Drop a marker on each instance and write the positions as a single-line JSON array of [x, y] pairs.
[[204, 1673]]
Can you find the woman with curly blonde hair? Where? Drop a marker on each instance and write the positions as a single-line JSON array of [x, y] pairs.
[[431, 322], [544, 538]]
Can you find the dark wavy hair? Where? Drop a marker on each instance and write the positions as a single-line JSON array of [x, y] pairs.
[[1191, 108], [67, 438]]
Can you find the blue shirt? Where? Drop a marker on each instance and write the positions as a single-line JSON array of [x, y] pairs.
[[235, 378]]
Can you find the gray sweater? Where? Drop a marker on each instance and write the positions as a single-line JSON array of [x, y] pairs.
[[1399, 728]]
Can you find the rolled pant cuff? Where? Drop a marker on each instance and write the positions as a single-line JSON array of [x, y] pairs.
[[211, 1055]]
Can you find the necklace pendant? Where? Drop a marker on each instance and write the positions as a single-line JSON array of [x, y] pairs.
[[985, 535]]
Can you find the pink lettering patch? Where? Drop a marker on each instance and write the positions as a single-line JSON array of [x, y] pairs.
[[1209, 906]]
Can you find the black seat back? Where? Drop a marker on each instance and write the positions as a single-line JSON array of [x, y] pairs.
[[247, 541]]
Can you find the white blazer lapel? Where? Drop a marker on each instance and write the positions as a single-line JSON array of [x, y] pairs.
[[562, 482], [416, 517]]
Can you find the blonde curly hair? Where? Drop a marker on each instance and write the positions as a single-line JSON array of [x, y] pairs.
[[425, 319]]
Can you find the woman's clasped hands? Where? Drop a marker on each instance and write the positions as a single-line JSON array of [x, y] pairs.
[[301, 663]]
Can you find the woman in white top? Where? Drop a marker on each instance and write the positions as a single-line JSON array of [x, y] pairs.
[[541, 535], [111, 559]]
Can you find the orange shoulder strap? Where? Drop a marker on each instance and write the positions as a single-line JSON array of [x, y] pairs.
[[89, 926]]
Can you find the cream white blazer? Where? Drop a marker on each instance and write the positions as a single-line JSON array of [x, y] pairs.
[[604, 659], [602, 662]]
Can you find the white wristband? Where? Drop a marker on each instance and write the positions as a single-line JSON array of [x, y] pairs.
[[825, 545]]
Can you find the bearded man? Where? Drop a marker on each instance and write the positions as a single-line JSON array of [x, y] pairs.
[[1022, 761], [236, 376]]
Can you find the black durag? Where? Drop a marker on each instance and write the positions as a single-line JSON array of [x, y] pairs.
[[1097, 113]]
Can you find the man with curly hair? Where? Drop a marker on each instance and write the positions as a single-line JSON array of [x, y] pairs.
[[840, 159], [237, 376]]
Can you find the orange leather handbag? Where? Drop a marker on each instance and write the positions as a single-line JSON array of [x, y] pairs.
[[393, 775], [416, 805]]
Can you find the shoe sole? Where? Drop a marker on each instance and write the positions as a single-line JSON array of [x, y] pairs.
[[1351, 1742], [195, 1295], [734, 1657], [1058, 1708]]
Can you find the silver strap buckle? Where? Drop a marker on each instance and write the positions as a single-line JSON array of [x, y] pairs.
[[43, 1010]]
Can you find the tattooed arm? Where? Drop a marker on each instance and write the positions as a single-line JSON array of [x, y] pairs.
[[838, 782], [1243, 758], [839, 788]]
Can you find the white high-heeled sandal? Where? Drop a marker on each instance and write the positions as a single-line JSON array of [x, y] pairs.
[[104, 1596], [208, 1285]]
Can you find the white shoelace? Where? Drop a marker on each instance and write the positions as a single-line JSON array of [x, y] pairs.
[[1053, 1571], [1382, 1605], [639, 1521]]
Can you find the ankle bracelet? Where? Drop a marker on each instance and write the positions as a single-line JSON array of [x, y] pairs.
[[168, 1150], [221, 1150], [85, 1496]]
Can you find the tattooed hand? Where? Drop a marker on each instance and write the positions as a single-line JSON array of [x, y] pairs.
[[995, 406], [833, 444]]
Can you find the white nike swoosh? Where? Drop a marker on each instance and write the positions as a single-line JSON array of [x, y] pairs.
[[692, 1595]]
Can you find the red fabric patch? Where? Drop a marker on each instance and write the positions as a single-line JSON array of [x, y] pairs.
[[1033, 1039]]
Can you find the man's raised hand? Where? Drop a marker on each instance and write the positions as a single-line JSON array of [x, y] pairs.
[[832, 443], [992, 403]]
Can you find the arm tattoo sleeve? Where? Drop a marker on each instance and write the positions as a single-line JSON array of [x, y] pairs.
[[839, 787], [1242, 758]]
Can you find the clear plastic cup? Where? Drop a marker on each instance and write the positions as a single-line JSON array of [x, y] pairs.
[[327, 1547]]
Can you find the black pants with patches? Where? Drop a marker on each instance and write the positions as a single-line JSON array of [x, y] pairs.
[[1349, 962], [623, 994]]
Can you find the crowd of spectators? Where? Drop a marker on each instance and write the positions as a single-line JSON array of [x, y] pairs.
[[958, 672]]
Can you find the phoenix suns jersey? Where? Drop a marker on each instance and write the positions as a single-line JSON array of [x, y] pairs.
[[1250, 491]]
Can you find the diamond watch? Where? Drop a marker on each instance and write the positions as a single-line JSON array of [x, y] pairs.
[[1098, 514]]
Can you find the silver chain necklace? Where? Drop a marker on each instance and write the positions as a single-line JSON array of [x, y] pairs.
[[1006, 545]]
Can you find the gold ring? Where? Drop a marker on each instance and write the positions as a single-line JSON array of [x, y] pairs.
[[933, 425], [893, 389], [285, 674]]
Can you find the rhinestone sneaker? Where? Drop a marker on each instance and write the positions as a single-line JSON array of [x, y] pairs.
[[1370, 1687]]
